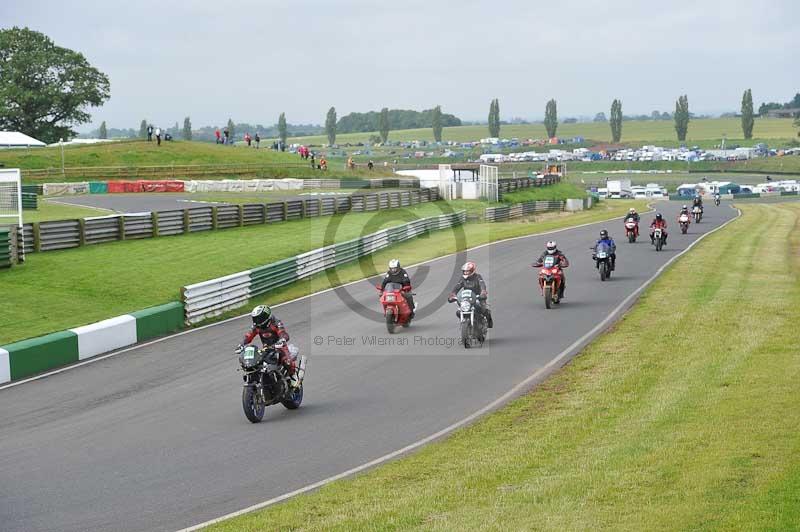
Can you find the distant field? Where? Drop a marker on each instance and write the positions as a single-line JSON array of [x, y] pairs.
[[662, 130]]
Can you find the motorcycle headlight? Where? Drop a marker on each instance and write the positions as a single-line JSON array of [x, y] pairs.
[[390, 297], [601, 255], [465, 306]]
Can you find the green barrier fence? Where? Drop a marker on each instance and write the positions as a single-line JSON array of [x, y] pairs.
[[272, 276], [158, 321], [98, 187], [5, 248], [29, 201]]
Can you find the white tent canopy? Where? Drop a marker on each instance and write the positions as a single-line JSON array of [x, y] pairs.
[[15, 139]]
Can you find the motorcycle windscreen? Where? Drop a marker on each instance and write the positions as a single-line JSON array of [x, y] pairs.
[[602, 250], [549, 261]]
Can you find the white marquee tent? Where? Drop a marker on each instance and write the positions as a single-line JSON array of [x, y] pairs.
[[15, 139]]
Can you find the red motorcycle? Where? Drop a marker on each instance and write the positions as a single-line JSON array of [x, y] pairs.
[[396, 309], [631, 229], [550, 281]]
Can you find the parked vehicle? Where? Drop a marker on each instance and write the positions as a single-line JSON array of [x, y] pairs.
[[396, 309], [619, 189], [266, 381]]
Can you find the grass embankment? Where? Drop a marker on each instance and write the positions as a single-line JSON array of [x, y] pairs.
[[660, 132], [684, 417], [559, 191], [49, 210], [56, 290]]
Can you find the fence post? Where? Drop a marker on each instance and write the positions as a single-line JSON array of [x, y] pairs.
[[241, 215], [319, 206], [154, 222], [81, 232], [37, 237], [302, 208], [121, 225], [214, 217], [285, 210], [264, 216], [186, 221]]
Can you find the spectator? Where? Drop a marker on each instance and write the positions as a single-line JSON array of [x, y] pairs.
[[247, 138], [158, 135], [217, 134], [312, 161], [149, 133], [323, 163], [258, 141], [225, 133], [350, 164], [370, 164]]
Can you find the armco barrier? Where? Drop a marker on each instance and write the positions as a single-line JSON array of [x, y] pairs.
[[213, 297], [64, 234], [29, 201], [35, 355], [5, 247], [507, 212]]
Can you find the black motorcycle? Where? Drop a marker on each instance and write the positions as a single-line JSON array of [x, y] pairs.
[[601, 254], [473, 323], [267, 382]]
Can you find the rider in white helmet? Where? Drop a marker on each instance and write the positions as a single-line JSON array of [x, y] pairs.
[[396, 274], [551, 248], [472, 280]]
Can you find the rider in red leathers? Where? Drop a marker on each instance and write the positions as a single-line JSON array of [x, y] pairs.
[[659, 221], [272, 334]]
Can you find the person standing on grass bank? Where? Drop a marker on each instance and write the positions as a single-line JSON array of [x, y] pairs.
[[313, 166], [258, 141], [149, 133], [158, 136], [217, 135], [247, 138], [225, 133]]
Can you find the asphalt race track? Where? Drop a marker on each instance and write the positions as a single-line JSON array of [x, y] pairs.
[[155, 438]]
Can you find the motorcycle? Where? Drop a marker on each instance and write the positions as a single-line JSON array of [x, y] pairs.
[[658, 238], [396, 309], [697, 211], [473, 323], [602, 258], [683, 220], [267, 382], [631, 229], [550, 281], [716, 201]]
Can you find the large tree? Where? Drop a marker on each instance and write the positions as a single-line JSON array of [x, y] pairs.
[[330, 126], [682, 117], [143, 129], [616, 120], [494, 118], [748, 118], [551, 118], [187, 128], [45, 89], [437, 123], [383, 124], [282, 132], [103, 133]]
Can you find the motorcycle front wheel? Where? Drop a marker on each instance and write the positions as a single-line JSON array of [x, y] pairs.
[[252, 405], [548, 296], [659, 244], [603, 271], [631, 237], [390, 321], [295, 399], [466, 334]]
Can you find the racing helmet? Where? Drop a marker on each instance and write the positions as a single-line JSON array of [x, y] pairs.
[[659, 217], [631, 211], [394, 266], [261, 315], [551, 247], [603, 234], [468, 269]]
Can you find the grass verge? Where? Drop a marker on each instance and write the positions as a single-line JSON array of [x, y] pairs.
[[60, 289], [684, 416], [59, 211], [559, 191]]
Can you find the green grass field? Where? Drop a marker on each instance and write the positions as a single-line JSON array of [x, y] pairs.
[[60, 289], [49, 210], [683, 417], [559, 191], [632, 131]]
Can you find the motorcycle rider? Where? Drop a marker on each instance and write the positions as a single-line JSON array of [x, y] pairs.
[[635, 215], [272, 334], [659, 221], [612, 246], [551, 248], [684, 210], [396, 274], [697, 202], [471, 280], [717, 197]]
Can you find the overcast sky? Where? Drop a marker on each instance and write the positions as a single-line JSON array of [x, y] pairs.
[[250, 60]]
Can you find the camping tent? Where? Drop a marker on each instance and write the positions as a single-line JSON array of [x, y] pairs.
[[15, 139]]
